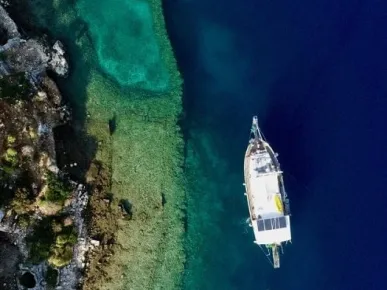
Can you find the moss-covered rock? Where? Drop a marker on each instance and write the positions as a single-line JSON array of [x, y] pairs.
[[22, 201], [54, 244], [40, 241]]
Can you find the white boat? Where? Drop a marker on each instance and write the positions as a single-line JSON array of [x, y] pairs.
[[266, 196]]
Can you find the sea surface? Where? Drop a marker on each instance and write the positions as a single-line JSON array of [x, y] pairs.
[[315, 72]]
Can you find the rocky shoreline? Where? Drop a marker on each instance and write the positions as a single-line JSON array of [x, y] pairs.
[[43, 209]]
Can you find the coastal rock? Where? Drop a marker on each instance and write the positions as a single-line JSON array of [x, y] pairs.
[[30, 109], [6, 23], [51, 89], [32, 57], [71, 275], [38, 273], [94, 243], [27, 150], [58, 62], [24, 56]]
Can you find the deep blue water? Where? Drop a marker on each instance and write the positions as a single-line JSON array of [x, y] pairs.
[[316, 74]]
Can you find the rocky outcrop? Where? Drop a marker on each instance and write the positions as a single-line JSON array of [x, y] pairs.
[[31, 56], [7, 24], [28, 56], [30, 108], [71, 275], [58, 62]]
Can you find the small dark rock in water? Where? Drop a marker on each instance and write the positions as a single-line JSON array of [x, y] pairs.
[[113, 124], [163, 199], [27, 280], [126, 207]]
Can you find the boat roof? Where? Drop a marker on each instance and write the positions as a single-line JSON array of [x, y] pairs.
[[272, 235], [265, 200]]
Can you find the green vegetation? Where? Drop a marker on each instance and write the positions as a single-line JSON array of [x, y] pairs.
[[41, 240], [32, 133], [10, 156], [58, 190], [46, 242], [10, 140], [8, 165], [62, 251], [6, 171], [55, 194], [23, 221]]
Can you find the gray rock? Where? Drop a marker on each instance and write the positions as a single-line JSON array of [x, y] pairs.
[[24, 56], [29, 56], [8, 24], [58, 62], [27, 150], [32, 57]]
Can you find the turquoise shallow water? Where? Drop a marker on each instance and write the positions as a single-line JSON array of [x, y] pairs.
[[123, 38]]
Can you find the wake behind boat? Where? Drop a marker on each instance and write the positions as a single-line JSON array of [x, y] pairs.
[[266, 197]]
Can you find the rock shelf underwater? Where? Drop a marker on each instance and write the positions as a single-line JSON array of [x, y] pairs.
[[132, 117]]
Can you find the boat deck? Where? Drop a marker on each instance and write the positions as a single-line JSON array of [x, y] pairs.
[[263, 186], [262, 181]]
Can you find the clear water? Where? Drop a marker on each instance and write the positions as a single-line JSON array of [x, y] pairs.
[[313, 72]]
